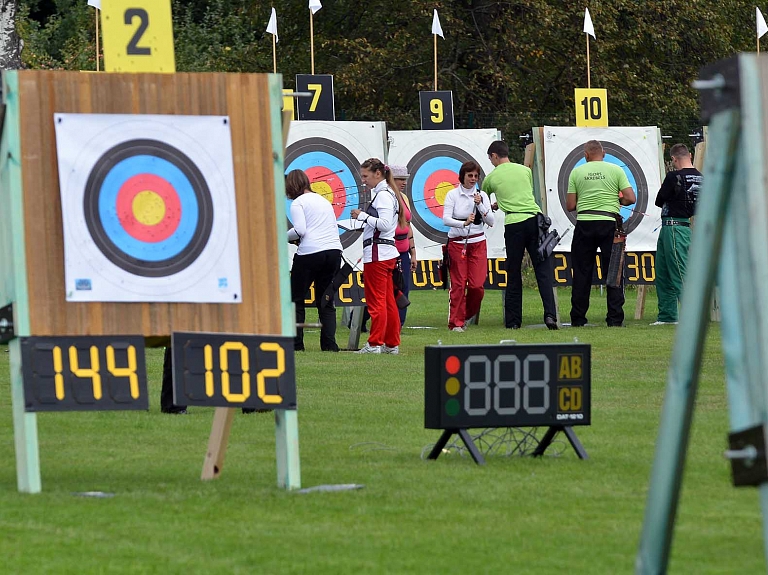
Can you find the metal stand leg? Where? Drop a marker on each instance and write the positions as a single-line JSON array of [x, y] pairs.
[[549, 436], [465, 437]]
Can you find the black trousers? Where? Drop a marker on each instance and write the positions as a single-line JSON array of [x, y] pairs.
[[587, 238], [166, 394], [320, 268], [518, 238]]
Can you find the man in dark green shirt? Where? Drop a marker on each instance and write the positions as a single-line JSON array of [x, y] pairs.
[[513, 186], [595, 190]]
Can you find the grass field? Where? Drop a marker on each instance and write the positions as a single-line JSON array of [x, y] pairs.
[[361, 421]]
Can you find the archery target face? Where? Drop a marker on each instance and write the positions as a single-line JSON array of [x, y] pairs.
[[148, 206], [330, 153], [434, 159], [635, 150], [333, 173]]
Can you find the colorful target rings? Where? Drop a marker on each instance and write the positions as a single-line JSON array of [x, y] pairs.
[[333, 172], [614, 154], [148, 208], [434, 172]]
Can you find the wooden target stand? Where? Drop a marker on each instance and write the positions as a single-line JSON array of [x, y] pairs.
[[32, 242], [728, 247]]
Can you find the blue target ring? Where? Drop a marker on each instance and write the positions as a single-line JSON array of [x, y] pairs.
[[434, 171], [185, 231], [333, 172], [109, 217], [617, 155]]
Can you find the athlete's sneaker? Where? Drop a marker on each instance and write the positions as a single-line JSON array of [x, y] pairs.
[[664, 323], [459, 328], [367, 348], [391, 350]]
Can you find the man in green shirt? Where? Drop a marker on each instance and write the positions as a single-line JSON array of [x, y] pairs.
[[513, 186], [595, 190]]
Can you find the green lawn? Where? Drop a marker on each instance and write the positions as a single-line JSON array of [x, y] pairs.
[[361, 421]]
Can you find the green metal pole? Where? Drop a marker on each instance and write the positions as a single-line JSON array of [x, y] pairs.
[[682, 378]]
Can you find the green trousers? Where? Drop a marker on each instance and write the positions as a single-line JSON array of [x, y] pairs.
[[671, 262]]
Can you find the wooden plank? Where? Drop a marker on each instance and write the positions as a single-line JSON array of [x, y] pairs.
[[244, 98], [530, 150], [217, 443], [539, 183], [640, 303]]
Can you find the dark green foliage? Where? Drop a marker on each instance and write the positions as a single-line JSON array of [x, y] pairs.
[[511, 65]]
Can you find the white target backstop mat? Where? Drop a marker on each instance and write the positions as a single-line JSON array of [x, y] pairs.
[[148, 206], [636, 150]]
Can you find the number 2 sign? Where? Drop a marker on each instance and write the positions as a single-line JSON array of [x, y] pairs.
[[138, 36], [591, 107]]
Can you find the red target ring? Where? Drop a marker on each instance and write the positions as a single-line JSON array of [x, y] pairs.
[[148, 208]]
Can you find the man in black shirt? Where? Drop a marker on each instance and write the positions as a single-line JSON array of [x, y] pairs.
[[677, 199]]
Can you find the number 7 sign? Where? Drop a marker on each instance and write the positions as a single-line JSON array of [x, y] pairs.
[[138, 36], [591, 108]]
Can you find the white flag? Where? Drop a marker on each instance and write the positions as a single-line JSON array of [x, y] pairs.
[[95, 3], [762, 27], [315, 5], [588, 27], [272, 26], [436, 28]]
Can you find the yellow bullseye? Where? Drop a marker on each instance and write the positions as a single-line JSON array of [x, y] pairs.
[[442, 190], [323, 189], [148, 208]]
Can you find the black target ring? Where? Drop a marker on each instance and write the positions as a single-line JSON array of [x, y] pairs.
[[182, 255], [623, 156]]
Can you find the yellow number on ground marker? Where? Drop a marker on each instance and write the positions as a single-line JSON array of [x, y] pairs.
[[138, 36]]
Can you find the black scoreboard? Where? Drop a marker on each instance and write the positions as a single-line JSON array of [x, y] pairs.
[[506, 386], [84, 373], [230, 370]]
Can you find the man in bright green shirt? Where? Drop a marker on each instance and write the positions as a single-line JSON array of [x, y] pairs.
[[595, 191], [513, 186]]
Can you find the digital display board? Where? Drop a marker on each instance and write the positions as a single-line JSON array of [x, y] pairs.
[[231, 370], [84, 373], [472, 386]]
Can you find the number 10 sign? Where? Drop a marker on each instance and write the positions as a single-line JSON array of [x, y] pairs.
[[591, 108]]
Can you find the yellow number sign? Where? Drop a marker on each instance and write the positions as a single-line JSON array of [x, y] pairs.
[[591, 107], [138, 36]]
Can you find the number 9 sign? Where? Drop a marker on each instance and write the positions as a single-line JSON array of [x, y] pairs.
[[138, 36], [436, 110]]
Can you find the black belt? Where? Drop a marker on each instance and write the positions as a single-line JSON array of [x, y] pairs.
[[401, 236], [384, 241], [675, 223]]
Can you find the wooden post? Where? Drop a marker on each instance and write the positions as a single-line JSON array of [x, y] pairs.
[[217, 443], [640, 303]]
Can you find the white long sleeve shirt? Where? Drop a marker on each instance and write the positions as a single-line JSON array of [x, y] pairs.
[[314, 224], [385, 202], [459, 204]]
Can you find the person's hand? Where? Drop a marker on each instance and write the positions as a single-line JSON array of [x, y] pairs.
[[495, 206], [470, 219], [478, 198], [413, 263], [354, 213]]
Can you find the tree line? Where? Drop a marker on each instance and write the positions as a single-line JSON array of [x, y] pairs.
[[510, 65]]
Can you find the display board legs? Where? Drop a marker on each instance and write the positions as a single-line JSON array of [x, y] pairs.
[[640, 303], [287, 445], [549, 436], [354, 328], [217, 443], [24, 429], [465, 437]]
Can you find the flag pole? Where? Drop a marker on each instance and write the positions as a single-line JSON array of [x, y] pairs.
[[96, 12], [312, 39], [435, 37], [274, 54], [589, 83]]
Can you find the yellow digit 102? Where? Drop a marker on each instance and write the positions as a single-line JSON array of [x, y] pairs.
[[245, 364], [436, 107]]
